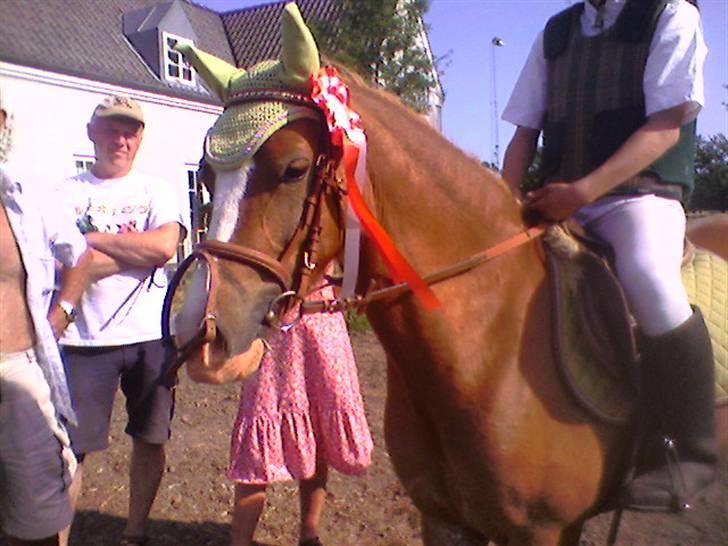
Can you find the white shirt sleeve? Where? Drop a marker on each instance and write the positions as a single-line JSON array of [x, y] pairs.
[[674, 69], [66, 240], [527, 104]]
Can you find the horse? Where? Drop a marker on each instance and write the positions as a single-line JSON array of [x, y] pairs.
[[710, 232], [481, 430]]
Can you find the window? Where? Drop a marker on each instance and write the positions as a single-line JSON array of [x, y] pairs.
[[199, 206], [199, 201], [175, 66], [83, 163]]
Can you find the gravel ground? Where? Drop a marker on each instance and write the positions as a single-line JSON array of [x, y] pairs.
[[193, 505]]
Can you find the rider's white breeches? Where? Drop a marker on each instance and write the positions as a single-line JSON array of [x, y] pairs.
[[647, 235]]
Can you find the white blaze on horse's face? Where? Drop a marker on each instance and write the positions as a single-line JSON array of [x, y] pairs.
[[230, 189]]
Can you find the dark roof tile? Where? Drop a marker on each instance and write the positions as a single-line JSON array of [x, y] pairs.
[[85, 38], [254, 32]]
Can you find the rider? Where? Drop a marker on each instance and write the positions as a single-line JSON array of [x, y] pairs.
[[615, 86]]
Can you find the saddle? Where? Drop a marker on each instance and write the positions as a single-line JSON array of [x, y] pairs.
[[595, 335]]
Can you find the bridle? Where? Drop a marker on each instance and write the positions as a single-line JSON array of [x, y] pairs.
[[325, 182], [302, 249]]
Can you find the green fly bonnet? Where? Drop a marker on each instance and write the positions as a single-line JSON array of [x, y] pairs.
[[261, 100], [272, 94]]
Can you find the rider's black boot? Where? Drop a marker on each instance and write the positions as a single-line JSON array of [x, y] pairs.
[[679, 453]]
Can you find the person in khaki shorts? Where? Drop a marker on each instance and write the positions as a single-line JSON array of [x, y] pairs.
[[36, 462]]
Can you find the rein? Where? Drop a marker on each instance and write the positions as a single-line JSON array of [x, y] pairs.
[[358, 302], [208, 251]]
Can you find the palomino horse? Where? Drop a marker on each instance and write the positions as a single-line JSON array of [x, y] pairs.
[[481, 431], [710, 232]]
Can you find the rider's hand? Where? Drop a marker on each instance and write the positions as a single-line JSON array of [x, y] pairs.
[[558, 200]]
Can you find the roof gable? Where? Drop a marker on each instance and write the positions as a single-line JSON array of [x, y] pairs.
[[169, 15], [144, 27]]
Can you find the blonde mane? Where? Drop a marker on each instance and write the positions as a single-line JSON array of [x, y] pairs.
[[401, 137]]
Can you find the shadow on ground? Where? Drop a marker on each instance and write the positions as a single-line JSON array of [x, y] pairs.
[[104, 530], [92, 528]]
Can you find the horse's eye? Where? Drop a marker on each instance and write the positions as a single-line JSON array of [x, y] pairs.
[[296, 170]]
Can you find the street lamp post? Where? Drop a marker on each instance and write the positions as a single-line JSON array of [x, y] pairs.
[[495, 42]]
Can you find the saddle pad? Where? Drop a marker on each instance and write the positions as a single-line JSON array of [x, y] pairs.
[[706, 281], [592, 336]]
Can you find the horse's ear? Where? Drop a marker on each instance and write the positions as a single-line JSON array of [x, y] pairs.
[[299, 54], [216, 72]]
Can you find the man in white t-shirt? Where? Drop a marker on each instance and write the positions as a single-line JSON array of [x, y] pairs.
[[615, 87], [135, 226]]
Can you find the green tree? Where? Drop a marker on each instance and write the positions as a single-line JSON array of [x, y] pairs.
[[380, 40], [532, 180], [711, 174]]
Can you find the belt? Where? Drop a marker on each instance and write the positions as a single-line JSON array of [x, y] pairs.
[[646, 183]]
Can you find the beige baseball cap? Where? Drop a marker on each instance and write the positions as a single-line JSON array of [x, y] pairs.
[[119, 106]]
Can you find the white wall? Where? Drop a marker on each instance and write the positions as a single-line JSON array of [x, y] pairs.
[[49, 115]]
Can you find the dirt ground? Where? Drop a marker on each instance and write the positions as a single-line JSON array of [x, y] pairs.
[[193, 505]]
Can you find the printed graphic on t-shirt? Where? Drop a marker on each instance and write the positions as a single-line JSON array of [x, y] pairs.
[[105, 219], [122, 308]]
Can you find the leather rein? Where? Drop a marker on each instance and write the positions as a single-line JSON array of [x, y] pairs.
[[294, 288], [359, 302]]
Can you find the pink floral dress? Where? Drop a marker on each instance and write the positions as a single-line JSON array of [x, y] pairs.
[[304, 402]]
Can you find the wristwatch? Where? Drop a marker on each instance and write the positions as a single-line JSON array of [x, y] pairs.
[[68, 309]]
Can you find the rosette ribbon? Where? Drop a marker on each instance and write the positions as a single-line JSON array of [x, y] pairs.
[[331, 95]]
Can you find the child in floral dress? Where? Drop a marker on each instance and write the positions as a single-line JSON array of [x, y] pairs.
[[300, 414]]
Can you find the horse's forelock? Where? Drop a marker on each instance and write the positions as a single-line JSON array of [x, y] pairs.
[[230, 188]]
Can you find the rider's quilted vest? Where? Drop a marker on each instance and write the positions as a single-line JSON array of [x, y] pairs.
[[595, 98]]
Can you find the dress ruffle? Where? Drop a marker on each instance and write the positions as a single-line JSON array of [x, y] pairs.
[[275, 448]]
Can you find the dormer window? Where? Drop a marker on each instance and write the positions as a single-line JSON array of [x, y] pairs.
[[176, 68], [152, 31]]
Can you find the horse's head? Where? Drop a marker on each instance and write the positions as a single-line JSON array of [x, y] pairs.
[[275, 208]]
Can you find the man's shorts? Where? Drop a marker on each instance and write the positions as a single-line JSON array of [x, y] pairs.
[[94, 374], [36, 462]]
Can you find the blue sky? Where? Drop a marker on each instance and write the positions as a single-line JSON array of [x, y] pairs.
[[463, 30]]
